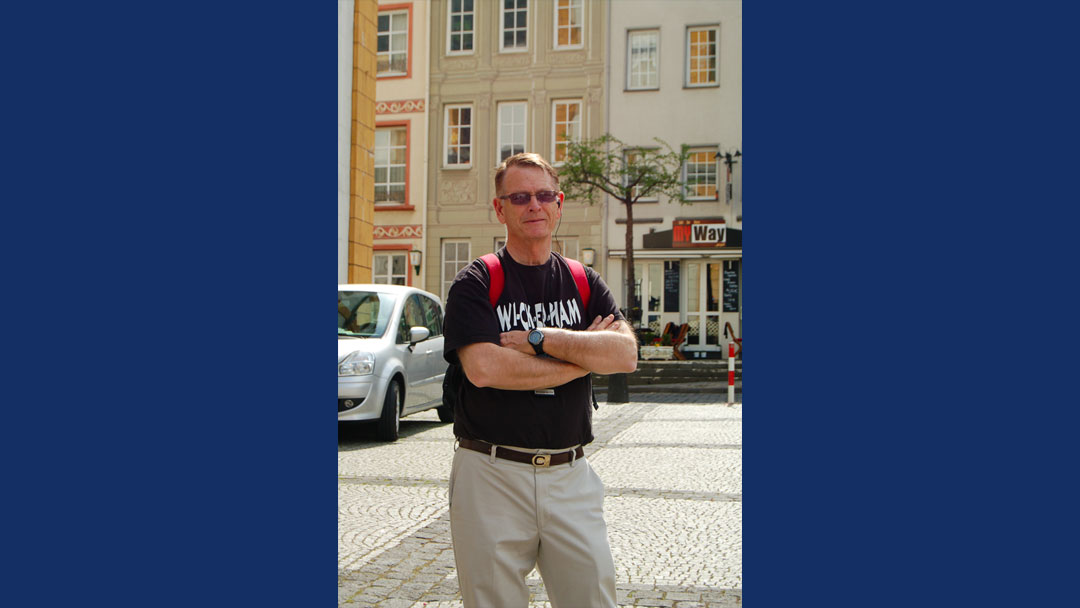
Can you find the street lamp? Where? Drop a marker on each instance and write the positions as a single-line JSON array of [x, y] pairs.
[[588, 256], [414, 258], [728, 159]]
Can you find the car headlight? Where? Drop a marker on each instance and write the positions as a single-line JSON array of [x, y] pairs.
[[357, 364]]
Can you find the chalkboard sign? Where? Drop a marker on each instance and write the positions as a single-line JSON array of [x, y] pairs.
[[731, 287], [671, 286]]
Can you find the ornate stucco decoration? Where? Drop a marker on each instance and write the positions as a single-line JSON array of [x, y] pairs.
[[516, 60], [399, 232], [461, 65], [457, 191], [403, 106], [567, 57]]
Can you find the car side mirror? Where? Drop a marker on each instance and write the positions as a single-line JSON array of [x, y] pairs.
[[418, 334]]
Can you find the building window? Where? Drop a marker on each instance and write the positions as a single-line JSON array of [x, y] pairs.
[[455, 256], [632, 157], [391, 153], [393, 44], [460, 25], [458, 136], [643, 60], [701, 174], [569, 17], [511, 129], [390, 268], [566, 125], [702, 55], [514, 25], [566, 247]]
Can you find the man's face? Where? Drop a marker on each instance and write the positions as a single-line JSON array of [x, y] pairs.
[[534, 220]]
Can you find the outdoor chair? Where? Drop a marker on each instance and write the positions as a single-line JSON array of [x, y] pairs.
[[730, 331], [678, 340]]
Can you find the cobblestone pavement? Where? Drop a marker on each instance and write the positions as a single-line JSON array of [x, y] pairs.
[[672, 469]]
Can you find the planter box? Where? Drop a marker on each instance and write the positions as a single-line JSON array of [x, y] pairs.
[[656, 352]]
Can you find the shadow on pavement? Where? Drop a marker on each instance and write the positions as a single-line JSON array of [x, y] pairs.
[[361, 435]]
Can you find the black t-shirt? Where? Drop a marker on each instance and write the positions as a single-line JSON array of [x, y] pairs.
[[546, 294]]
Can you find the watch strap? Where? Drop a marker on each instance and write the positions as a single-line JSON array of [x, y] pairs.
[[538, 348]]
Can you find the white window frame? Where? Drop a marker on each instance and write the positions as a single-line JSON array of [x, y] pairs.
[[572, 6], [447, 129], [630, 35], [389, 165], [579, 122], [458, 262], [626, 159], [566, 246], [687, 71], [518, 8], [388, 278], [710, 153], [450, 14], [505, 122], [390, 52]]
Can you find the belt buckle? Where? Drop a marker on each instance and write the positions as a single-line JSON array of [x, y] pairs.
[[541, 460]]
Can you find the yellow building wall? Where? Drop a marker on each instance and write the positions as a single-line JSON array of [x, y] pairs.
[[362, 184]]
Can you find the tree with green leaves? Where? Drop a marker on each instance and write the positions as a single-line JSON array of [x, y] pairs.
[[627, 173]]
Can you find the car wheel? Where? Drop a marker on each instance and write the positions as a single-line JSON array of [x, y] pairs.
[[389, 422], [446, 413]]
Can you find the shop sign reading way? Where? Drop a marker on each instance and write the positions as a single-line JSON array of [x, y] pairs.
[[698, 233]]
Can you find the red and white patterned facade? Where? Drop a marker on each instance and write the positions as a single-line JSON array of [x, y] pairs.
[[401, 116]]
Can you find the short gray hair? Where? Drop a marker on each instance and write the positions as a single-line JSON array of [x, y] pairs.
[[525, 159]]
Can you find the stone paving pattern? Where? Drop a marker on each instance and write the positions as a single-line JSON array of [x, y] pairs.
[[672, 469]]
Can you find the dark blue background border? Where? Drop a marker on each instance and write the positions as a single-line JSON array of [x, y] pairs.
[[169, 245], [172, 232], [906, 176]]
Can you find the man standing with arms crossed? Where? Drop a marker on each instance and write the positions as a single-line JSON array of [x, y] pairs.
[[521, 492]]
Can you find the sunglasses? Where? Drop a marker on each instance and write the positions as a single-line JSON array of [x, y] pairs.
[[522, 198]]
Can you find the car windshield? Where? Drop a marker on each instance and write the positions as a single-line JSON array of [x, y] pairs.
[[364, 314]]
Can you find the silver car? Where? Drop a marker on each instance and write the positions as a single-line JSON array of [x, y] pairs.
[[390, 355]]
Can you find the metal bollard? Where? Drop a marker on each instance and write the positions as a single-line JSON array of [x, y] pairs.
[[731, 373]]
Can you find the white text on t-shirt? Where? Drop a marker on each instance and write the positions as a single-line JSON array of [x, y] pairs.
[[555, 314]]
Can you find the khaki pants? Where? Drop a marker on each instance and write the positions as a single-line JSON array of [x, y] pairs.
[[507, 517]]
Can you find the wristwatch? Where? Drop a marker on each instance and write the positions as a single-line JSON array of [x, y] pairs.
[[536, 338]]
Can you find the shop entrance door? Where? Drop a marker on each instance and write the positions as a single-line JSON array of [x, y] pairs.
[[704, 286], [656, 279]]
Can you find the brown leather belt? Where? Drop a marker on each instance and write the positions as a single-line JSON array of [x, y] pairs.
[[538, 460]]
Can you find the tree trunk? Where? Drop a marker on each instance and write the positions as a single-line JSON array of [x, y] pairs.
[[618, 384], [630, 275]]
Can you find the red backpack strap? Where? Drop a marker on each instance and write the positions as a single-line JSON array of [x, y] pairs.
[[495, 271], [578, 270]]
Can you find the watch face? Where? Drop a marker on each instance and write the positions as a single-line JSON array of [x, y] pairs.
[[535, 337]]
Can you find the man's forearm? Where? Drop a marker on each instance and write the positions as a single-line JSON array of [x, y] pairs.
[[488, 365], [609, 351]]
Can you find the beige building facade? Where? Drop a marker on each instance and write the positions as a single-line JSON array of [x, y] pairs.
[[507, 77], [676, 75]]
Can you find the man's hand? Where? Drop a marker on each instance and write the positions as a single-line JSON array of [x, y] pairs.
[[519, 339], [601, 323], [608, 347]]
